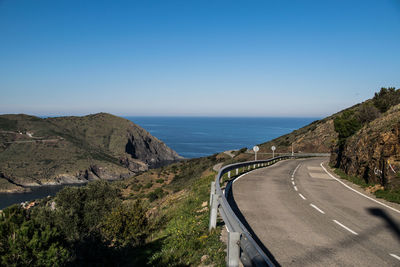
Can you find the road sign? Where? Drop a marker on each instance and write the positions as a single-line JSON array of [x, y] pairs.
[[255, 149], [273, 151]]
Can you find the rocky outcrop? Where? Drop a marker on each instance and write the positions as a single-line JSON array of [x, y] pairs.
[[373, 153], [65, 150]]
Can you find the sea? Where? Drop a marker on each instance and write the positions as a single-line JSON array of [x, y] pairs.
[[193, 137]]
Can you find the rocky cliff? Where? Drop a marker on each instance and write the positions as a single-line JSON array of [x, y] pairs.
[[373, 152], [35, 151]]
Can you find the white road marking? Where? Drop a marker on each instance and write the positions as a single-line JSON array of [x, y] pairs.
[[292, 179], [370, 198], [315, 207], [295, 170], [394, 256], [345, 227], [242, 176], [295, 188], [302, 196], [293, 183]]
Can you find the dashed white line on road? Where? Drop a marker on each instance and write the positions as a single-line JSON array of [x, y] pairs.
[[315, 207], [302, 196], [292, 179], [394, 256], [345, 227], [295, 188], [295, 170], [293, 183]]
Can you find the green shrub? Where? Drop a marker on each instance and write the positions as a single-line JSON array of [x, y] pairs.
[[23, 242], [386, 98], [156, 194], [160, 181], [367, 113], [126, 225], [80, 210], [347, 124], [148, 185]]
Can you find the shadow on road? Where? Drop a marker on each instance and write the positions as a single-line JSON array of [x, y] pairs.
[[391, 225]]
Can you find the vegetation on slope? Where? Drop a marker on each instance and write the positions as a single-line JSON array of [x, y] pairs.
[[107, 223]]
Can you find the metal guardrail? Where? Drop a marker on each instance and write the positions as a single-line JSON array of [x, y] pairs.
[[241, 244]]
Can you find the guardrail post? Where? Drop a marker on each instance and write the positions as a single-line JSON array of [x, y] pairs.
[[212, 191], [233, 249], [237, 171], [213, 212], [229, 174]]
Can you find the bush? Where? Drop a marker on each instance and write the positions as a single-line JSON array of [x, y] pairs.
[[386, 98], [26, 243], [148, 185], [160, 181], [367, 113], [156, 194], [346, 124], [80, 210], [126, 225]]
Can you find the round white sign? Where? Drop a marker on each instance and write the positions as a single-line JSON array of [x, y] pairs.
[[273, 148], [256, 148]]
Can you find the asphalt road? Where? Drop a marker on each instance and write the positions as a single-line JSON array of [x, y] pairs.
[[304, 217]]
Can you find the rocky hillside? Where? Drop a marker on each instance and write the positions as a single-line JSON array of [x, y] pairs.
[[373, 152], [317, 137], [364, 140], [35, 151], [368, 145]]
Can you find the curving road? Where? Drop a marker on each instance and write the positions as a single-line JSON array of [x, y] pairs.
[[307, 218]]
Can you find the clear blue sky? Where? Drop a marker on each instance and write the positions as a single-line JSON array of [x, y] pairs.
[[203, 58]]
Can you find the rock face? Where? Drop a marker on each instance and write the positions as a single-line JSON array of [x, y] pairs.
[[35, 151], [373, 153]]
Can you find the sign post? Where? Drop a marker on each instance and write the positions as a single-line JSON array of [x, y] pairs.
[[255, 149], [273, 151]]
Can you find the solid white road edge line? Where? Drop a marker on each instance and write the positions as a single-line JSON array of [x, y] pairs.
[[361, 194], [345, 227], [394, 256], [302, 196], [295, 188], [246, 173], [318, 209]]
